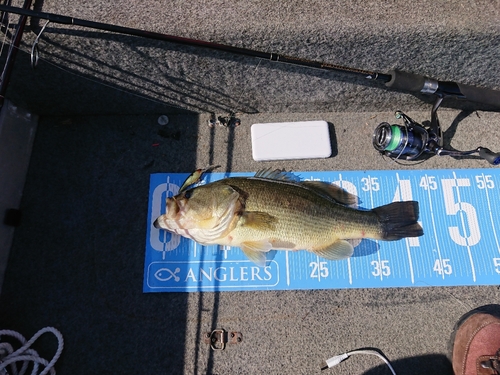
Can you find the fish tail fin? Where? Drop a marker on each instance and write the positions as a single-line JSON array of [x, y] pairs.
[[399, 220]]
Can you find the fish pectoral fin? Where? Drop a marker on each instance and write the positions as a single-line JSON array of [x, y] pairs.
[[256, 251], [207, 223], [340, 249], [259, 220], [355, 242]]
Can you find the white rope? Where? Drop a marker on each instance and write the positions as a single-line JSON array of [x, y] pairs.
[[26, 355]]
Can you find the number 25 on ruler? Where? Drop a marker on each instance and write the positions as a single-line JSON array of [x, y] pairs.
[[319, 270]]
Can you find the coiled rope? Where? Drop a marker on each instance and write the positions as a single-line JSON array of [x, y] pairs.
[[11, 359]]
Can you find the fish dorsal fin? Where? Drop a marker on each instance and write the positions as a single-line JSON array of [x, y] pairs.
[[277, 174], [340, 249], [332, 191], [256, 251], [326, 190], [195, 177]]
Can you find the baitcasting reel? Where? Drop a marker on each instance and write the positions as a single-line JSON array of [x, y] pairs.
[[410, 141]]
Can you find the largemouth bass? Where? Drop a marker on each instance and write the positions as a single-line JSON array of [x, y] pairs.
[[272, 210]]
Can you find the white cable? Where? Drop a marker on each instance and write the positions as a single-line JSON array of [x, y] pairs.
[[334, 361], [26, 355]]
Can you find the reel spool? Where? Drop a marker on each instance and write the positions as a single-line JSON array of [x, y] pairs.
[[400, 142], [410, 140]]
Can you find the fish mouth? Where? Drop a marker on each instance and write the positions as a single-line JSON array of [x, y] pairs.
[[156, 224], [172, 210]]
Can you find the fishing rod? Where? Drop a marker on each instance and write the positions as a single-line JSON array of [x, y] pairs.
[[395, 79], [11, 55], [409, 141]]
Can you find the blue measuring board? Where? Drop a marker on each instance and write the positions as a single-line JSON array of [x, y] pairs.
[[459, 211]]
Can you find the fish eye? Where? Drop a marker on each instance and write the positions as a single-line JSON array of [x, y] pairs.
[[188, 194]]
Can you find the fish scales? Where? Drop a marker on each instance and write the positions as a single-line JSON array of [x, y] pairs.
[[303, 217]]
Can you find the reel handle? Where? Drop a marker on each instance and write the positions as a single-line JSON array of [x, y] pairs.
[[488, 155]]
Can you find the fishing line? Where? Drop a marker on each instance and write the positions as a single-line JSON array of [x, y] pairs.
[[463, 303], [35, 59], [80, 75], [11, 55], [398, 161], [246, 88], [7, 27], [397, 80], [408, 142], [34, 48]]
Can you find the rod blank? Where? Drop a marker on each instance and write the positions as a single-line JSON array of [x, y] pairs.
[[396, 79], [60, 19]]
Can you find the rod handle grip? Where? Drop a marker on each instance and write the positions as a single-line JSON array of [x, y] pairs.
[[417, 83], [405, 81], [480, 94]]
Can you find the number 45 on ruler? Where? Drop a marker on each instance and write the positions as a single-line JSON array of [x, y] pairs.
[[442, 267]]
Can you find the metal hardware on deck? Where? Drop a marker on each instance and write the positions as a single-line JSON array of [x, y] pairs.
[[218, 338]]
